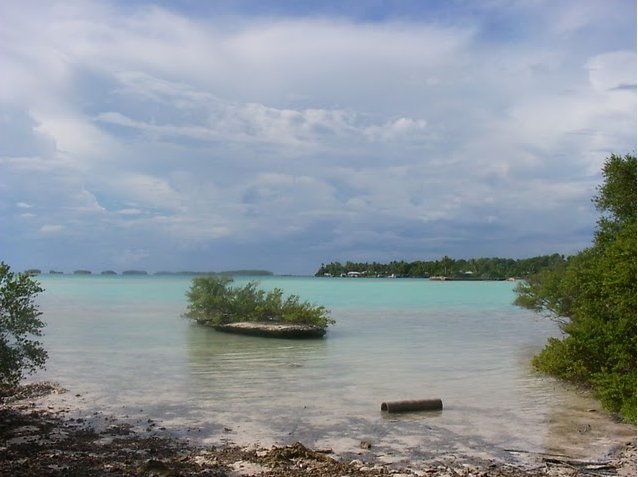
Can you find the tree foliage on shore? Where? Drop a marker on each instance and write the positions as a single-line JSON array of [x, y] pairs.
[[480, 268], [213, 299], [20, 353], [593, 298]]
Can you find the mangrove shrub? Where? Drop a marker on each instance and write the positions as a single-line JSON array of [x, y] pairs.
[[214, 299], [20, 353], [593, 298]]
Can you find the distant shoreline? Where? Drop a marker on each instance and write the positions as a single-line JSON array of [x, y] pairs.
[[253, 274]]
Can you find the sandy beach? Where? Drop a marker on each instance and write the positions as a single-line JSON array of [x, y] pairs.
[[39, 439]]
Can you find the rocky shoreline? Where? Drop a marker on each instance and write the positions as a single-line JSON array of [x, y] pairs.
[[47, 442]]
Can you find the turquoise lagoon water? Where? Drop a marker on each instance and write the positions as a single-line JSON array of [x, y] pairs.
[[119, 344]]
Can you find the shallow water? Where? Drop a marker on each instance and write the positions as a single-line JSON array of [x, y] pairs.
[[120, 342]]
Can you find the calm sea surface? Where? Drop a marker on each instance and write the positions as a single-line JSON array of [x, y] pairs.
[[121, 344]]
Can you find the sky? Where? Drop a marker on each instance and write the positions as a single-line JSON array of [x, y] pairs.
[[280, 135]]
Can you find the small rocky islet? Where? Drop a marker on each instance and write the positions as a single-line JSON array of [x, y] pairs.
[[271, 329]]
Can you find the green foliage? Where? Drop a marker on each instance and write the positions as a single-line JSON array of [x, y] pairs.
[[213, 299], [479, 268], [20, 354], [593, 297], [616, 197], [542, 291]]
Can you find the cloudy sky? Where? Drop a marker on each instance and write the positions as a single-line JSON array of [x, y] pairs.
[[201, 135]]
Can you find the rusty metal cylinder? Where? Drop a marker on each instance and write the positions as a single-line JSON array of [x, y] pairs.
[[411, 406]]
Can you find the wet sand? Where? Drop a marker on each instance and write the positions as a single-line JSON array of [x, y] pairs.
[[37, 438]]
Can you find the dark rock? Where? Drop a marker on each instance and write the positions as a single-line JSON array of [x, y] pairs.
[[272, 330]]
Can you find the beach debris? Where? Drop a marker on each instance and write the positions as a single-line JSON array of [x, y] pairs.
[[413, 405]]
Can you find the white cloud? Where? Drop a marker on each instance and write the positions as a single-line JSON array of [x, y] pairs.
[[397, 129], [51, 228], [137, 84], [148, 190], [250, 122], [149, 129], [613, 70], [130, 212]]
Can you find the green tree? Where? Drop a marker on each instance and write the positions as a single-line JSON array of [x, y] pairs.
[[616, 198], [593, 298], [617, 195], [20, 353]]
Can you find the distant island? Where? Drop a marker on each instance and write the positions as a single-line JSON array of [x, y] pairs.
[[236, 273], [444, 269]]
